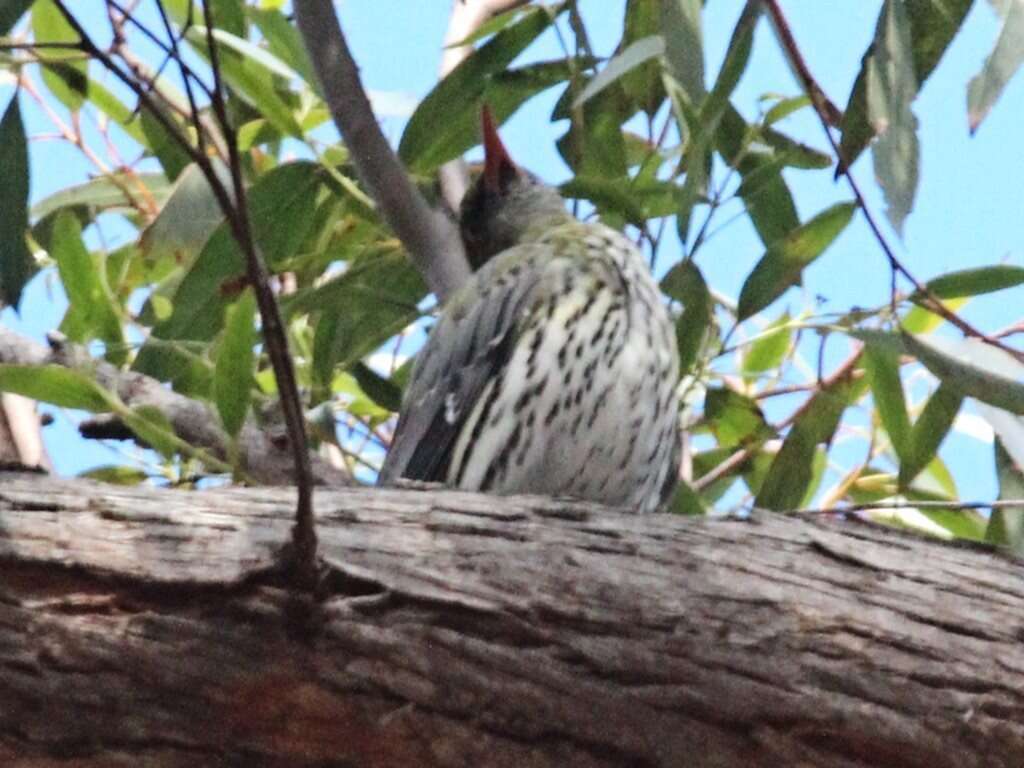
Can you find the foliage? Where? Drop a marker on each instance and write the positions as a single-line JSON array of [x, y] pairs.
[[177, 281]]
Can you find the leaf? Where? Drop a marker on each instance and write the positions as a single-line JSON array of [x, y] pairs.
[[684, 46], [16, 263], [169, 153], [92, 313], [1007, 56], [792, 471], [58, 386], [685, 283], [785, 107], [891, 88], [931, 31], [285, 42], [187, 218], [151, 426], [642, 85], [235, 365], [115, 475], [882, 364], [974, 367], [768, 351], [432, 135], [973, 282], [783, 263], [734, 418], [10, 12], [104, 193], [67, 80], [1006, 526], [621, 64], [379, 389], [928, 432], [920, 320]]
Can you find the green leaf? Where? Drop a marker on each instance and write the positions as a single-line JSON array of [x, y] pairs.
[[104, 193], [16, 263], [67, 80], [785, 107], [10, 12], [974, 282], [974, 367], [931, 31], [685, 283], [882, 364], [379, 389], [58, 386], [792, 471], [783, 263], [285, 42], [928, 432], [115, 475], [1006, 526], [1005, 59], [187, 218], [891, 88], [643, 85], [621, 64], [684, 46], [169, 153], [235, 365], [92, 312], [446, 122], [770, 349], [685, 501], [920, 320], [734, 418], [151, 426]]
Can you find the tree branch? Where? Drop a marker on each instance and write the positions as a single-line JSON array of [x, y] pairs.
[[142, 625], [429, 237], [264, 457]]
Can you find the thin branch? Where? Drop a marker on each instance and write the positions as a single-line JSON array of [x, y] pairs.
[[430, 238], [811, 88], [954, 506]]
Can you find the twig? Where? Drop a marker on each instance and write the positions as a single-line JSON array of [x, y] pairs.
[[430, 238], [812, 89], [954, 506]]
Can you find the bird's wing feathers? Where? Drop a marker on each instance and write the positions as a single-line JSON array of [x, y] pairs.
[[467, 348]]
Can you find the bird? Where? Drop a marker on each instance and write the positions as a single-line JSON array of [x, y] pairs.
[[553, 370]]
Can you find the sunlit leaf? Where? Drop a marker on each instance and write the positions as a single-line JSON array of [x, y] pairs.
[[56, 385], [621, 64], [783, 263], [891, 88], [150, 425], [974, 282], [974, 367], [928, 432], [768, 351], [685, 284], [16, 263], [1005, 59], [66, 79], [882, 363], [734, 418], [104, 193], [235, 364], [115, 475]]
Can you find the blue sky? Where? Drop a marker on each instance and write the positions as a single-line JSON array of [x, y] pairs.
[[968, 209]]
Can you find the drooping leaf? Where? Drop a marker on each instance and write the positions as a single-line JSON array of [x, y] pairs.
[[684, 46], [642, 85], [882, 364], [931, 31], [56, 385], [235, 364], [284, 41], [891, 88], [379, 389], [921, 320], [792, 470], [67, 79], [929, 431], [685, 283], [187, 218], [152, 427], [169, 153], [10, 12], [16, 263], [104, 193], [1000, 66], [92, 312], [1006, 526], [783, 263], [436, 131], [974, 367], [115, 475]]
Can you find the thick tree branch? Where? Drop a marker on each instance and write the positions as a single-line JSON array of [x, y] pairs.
[[265, 457], [430, 237], [144, 625]]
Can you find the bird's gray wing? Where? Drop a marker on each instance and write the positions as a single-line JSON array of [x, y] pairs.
[[469, 345]]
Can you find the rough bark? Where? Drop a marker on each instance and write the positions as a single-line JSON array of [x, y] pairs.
[[147, 627]]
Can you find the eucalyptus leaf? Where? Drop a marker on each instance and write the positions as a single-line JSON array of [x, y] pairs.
[[16, 263], [58, 386]]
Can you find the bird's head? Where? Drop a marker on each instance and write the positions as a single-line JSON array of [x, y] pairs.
[[505, 203]]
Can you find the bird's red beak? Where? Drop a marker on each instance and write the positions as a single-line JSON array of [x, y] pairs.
[[496, 159]]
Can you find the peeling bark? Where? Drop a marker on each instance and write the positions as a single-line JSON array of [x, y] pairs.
[[149, 627]]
